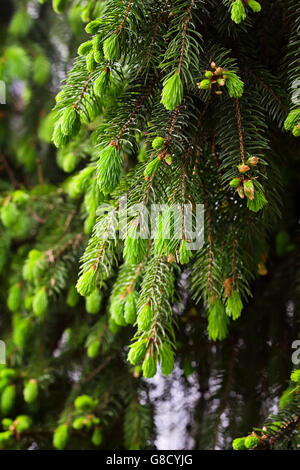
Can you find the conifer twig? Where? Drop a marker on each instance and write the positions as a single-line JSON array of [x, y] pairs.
[[125, 17], [186, 22], [156, 30], [239, 123]]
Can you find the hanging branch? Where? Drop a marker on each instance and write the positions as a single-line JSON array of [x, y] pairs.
[[210, 237], [186, 22], [234, 241], [125, 17], [82, 93]]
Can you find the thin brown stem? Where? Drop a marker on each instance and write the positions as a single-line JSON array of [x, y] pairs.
[[136, 108], [81, 95], [240, 131], [97, 370], [269, 90], [234, 276], [173, 122], [125, 17], [40, 171], [156, 30], [186, 22]]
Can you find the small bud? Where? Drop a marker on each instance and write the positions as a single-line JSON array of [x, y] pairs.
[[151, 167], [208, 74], [252, 161], [158, 143], [60, 437], [73, 297], [93, 349], [145, 318], [234, 182], [31, 391], [204, 84], [130, 307], [254, 5], [261, 269], [249, 189], [6, 423], [295, 376], [87, 282], [251, 442], [109, 167], [172, 92], [8, 373], [292, 119], [296, 131], [93, 301], [78, 423], [240, 191], [59, 139], [91, 64], [93, 26], [168, 159], [70, 122], [85, 403], [234, 305], [239, 443], [40, 302], [22, 423], [149, 366], [117, 311], [111, 48], [185, 254], [9, 214], [8, 399], [97, 437], [238, 12], [234, 84], [137, 352], [14, 298], [85, 47], [98, 49], [243, 168], [166, 359]]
